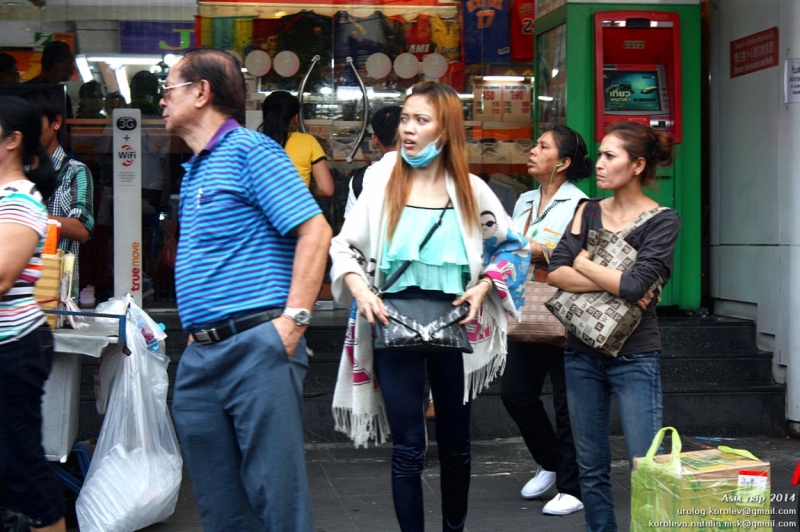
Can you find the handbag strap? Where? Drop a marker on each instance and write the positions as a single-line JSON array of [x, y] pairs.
[[638, 222], [403, 267], [641, 220]]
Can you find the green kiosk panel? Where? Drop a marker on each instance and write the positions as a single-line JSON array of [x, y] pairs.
[[600, 63]]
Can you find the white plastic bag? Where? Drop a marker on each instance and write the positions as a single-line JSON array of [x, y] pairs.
[[135, 473], [76, 322], [115, 305], [107, 367]]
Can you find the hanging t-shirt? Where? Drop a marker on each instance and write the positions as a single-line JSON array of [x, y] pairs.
[[395, 34], [306, 34], [265, 35], [417, 35], [204, 31], [446, 37], [358, 37], [521, 29], [223, 28], [243, 36], [486, 31]]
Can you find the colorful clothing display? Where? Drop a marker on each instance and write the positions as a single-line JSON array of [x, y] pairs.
[[418, 35]]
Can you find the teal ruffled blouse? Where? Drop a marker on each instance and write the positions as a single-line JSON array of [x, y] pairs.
[[441, 265]]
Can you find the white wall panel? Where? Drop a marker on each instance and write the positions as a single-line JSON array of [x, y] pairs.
[[789, 133], [739, 268], [755, 181], [748, 156]]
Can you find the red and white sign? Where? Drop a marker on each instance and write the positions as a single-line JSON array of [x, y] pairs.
[[754, 52], [487, 102], [516, 102]]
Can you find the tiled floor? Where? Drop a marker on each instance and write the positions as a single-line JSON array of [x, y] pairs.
[[351, 489]]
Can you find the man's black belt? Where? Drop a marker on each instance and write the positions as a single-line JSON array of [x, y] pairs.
[[222, 330]]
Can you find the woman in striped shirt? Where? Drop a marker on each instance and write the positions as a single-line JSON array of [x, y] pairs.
[[26, 344]]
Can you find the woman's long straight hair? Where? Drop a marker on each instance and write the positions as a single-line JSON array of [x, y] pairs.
[[449, 113], [277, 112]]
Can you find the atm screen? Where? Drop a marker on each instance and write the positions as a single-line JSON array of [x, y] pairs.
[[635, 92]]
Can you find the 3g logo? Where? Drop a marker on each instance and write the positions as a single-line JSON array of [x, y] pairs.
[[126, 123]]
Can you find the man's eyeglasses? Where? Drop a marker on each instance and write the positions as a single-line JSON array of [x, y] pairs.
[[165, 89]]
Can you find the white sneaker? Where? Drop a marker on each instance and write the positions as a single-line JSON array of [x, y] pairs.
[[562, 504], [540, 483]]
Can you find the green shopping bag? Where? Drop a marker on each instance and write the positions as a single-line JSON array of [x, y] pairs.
[[709, 490]]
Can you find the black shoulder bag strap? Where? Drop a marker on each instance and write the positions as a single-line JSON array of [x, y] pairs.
[[358, 180], [403, 267], [641, 220]]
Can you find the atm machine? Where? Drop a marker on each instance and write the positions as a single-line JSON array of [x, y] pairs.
[[601, 63], [637, 71]]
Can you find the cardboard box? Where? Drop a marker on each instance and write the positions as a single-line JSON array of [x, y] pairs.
[[46, 288], [714, 489], [60, 406]]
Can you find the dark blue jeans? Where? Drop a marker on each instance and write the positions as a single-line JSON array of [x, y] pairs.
[[636, 383], [402, 380], [24, 471]]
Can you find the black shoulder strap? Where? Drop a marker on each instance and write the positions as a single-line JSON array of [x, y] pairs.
[[358, 180], [641, 220], [403, 267]]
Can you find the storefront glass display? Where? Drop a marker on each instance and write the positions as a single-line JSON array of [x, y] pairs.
[[551, 93], [343, 60]]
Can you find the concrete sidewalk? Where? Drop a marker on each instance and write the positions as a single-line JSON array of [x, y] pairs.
[[351, 489]]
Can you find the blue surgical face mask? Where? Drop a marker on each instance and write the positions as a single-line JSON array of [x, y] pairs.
[[424, 157]]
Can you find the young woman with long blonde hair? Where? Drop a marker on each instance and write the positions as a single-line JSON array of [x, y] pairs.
[[475, 256]]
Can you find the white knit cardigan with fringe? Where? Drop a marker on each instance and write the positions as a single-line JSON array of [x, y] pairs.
[[358, 406]]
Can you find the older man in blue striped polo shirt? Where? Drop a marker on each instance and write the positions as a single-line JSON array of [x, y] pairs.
[[251, 258]]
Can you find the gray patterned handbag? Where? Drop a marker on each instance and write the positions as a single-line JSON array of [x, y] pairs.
[[600, 319], [421, 324]]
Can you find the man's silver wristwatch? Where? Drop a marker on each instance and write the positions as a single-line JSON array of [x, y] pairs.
[[301, 316]]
